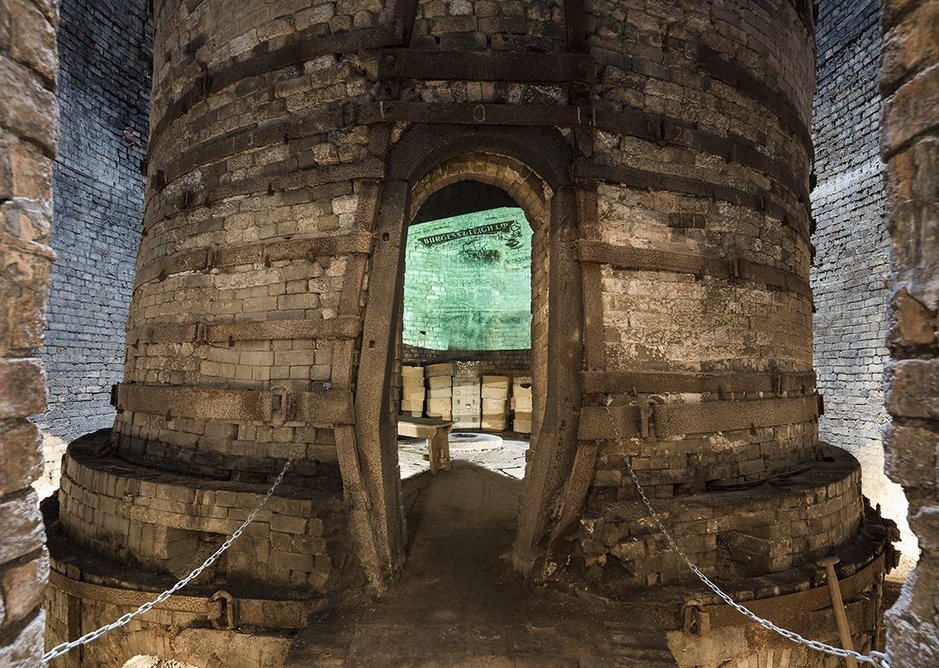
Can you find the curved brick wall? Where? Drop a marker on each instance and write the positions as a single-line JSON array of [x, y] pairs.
[[165, 525], [704, 152], [267, 155]]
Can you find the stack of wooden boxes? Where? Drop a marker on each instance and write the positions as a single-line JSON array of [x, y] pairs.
[[495, 402], [412, 390], [439, 390], [521, 404], [466, 397]]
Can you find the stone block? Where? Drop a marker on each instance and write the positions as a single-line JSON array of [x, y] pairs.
[[913, 389], [926, 525], [912, 456], [287, 524], [21, 454], [908, 46], [23, 586], [20, 526], [25, 650], [32, 38], [914, 324], [910, 111], [29, 106], [761, 555]]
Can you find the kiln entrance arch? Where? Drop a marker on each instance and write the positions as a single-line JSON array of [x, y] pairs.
[[533, 168]]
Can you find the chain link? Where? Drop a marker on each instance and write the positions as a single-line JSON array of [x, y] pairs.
[[874, 658], [66, 647]]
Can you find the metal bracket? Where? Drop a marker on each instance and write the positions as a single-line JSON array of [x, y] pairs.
[[651, 420], [645, 417], [695, 620], [224, 617], [279, 399]]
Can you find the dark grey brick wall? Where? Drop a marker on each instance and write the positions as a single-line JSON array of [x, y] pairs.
[[104, 96], [852, 242]]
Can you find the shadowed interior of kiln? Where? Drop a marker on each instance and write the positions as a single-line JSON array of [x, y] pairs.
[[465, 333]]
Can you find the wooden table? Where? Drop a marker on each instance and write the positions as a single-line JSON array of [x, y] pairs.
[[437, 433]]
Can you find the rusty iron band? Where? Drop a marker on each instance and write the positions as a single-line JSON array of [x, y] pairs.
[[341, 327], [795, 604], [327, 408], [284, 613], [664, 382], [630, 122], [305, 45], [655, 420], [643, 259], [303, 248], [715, 63], [294, 179], [640, 179]]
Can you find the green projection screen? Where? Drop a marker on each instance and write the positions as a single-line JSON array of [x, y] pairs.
[[467, 282]]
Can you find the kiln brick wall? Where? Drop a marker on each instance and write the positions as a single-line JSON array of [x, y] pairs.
[[852, 246], [909, 82], [104, 95], [28, 133]]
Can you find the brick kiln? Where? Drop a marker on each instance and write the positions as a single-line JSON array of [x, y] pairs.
[[661, 153]]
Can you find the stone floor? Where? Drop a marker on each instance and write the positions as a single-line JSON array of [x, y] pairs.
[[503, 454], [459, 603]]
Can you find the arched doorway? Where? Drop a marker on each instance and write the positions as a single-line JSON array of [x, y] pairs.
[[532, 166]]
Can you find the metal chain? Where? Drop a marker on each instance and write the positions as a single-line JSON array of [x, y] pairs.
[[66, 647], [875, 658]]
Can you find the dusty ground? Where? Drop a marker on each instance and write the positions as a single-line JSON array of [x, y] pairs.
[[503, 454], [458, 603]]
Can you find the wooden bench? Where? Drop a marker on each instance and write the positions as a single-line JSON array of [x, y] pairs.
[[437, 433]]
